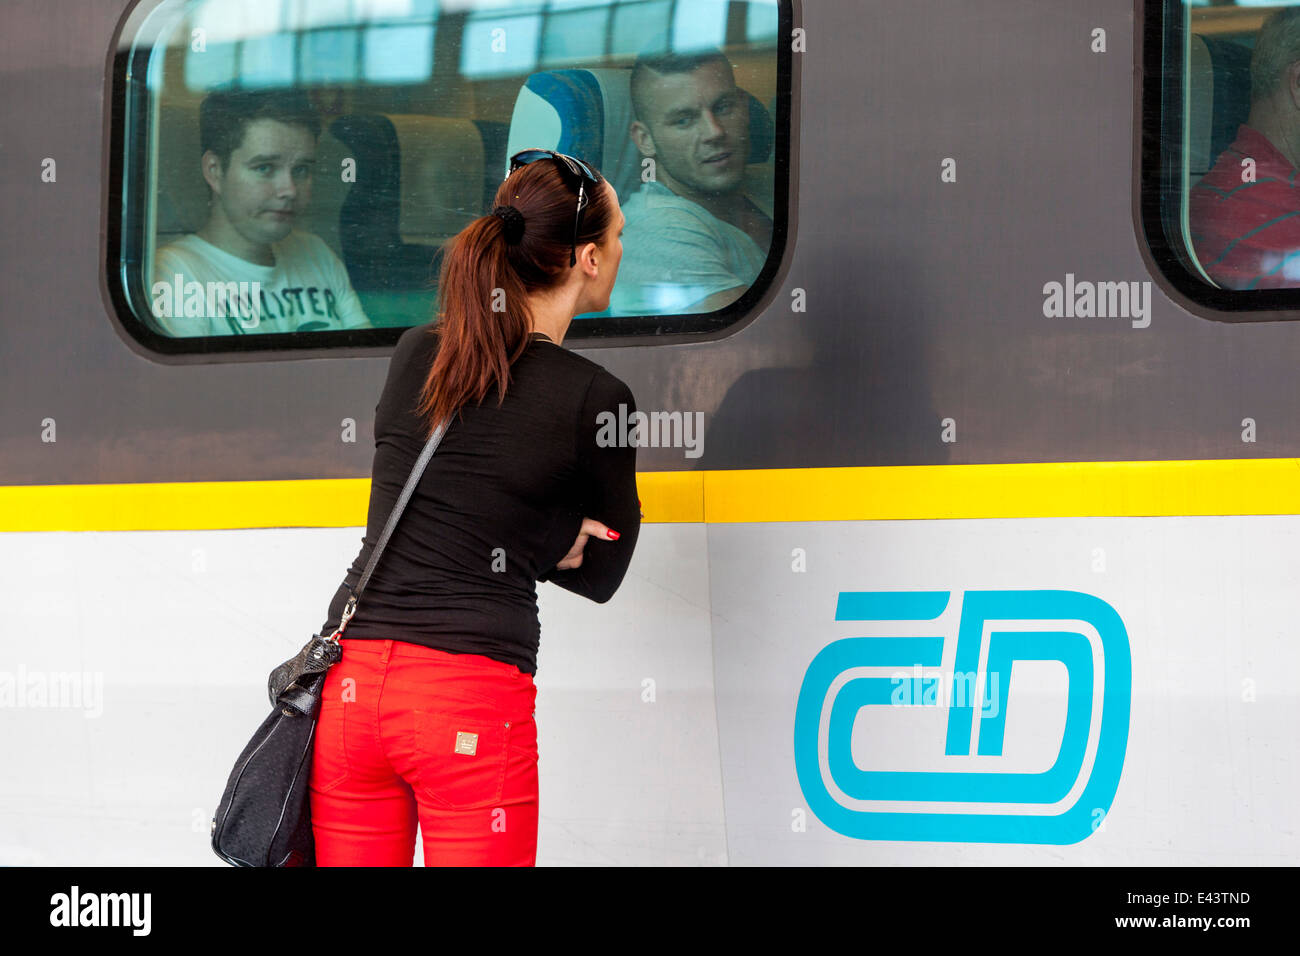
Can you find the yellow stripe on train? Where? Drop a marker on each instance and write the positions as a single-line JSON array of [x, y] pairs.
[[1050, 490]]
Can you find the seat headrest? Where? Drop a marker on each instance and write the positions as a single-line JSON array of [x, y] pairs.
[[1219, 98], [425, 178], [182, 193], [441, 175], [586, 113]]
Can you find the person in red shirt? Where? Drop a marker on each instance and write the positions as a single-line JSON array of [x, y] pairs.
[[1245, 212]]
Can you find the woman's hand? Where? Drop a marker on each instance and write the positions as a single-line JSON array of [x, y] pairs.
[[591, 528]]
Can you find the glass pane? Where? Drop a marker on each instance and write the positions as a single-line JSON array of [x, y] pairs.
[[641, 28], [304, 166], [699, 24], [247, 187], [762, 21], [494, 8], [500, 46], [210, 67], [399, 54], [267, 60], [396, 11], [699, 200], [329, 56], [306, 14], [1236, 203], [228, 20], [574, 36]]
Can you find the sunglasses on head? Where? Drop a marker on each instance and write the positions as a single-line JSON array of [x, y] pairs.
[[582, 173]]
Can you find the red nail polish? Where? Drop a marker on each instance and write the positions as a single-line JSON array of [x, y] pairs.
[[613, 535]]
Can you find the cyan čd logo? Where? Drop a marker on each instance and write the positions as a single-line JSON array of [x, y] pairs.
[[1059, 805]]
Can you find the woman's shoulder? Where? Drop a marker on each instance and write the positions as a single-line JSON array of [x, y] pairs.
[[417, 334], [605, 389], [592, 374], [416, 345], [408, 367]]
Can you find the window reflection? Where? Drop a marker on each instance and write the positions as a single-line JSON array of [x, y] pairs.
[[694, 240], [312, 158], [1243, 201]]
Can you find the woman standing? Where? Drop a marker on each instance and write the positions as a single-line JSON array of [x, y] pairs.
[[428, 717]]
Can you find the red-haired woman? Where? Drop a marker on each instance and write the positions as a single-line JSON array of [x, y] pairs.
[[428, 717]]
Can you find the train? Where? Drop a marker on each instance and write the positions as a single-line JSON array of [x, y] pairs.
[[984, 554]]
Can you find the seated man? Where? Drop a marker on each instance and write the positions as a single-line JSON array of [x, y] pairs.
[[1245, 216], [249, 269], [693, 241]]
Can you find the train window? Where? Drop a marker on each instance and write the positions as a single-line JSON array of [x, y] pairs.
[[287, 171], [1220, 190]]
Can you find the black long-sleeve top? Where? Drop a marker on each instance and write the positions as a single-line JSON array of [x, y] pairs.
[[499, 505]]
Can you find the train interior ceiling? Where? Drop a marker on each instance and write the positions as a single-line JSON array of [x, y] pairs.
[[431, 152]]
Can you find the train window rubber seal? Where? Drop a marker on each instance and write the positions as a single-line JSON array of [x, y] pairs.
[[128, 107]]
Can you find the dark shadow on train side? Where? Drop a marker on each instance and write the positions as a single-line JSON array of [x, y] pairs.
[[863, 400]]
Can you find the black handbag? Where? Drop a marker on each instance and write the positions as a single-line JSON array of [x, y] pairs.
[[264, 817]]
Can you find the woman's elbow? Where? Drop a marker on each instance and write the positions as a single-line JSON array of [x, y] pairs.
[[603, 592]]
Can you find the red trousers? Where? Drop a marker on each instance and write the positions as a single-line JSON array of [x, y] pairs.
[[408, 735]]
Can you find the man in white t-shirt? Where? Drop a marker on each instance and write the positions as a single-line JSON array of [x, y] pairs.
[[693, 241], [248, 269]]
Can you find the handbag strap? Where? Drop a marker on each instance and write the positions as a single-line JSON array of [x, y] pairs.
[[351, 607]]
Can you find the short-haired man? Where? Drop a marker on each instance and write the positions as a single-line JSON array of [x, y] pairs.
[[1245, 212], [693, 241], [258, 271]]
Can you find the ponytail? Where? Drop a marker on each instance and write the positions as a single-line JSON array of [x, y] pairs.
[[474, 333]]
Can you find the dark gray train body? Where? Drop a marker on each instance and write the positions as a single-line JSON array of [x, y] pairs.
[[924, 298]]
